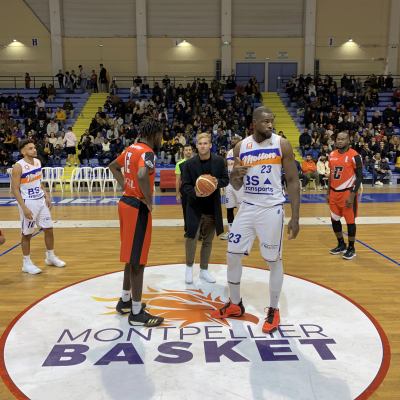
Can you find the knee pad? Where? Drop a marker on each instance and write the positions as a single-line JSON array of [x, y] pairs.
[[234, 272], [351, 230], [230, 216], [276, 275], [336, 225]]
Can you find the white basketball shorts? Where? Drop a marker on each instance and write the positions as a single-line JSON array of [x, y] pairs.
[[41, 216], [265, 223], [233, 197]]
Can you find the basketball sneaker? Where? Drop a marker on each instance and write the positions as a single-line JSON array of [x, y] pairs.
[[272, 321], [30, 268], [52, 259], [189, 274], [204, 274], [229, 310], [350, 253], [125, 307], [144, 319], [341, 248], [225, 236]]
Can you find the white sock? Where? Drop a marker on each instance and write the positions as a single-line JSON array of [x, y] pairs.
[[230, 227], [275, 282], [234, 292], [50, 253], [126, 295], [136, 307], [27, 258]]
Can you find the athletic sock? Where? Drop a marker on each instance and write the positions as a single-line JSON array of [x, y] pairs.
[[136, 307], [351, 244], [274, 298], [230, 227], [27, 258], [341, 241], [234, 293], [126, 295], [50, 253]]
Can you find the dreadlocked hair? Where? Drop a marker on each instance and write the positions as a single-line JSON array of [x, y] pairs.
[[150, 127]]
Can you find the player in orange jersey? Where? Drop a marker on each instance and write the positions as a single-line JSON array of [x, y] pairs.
[[343, 184], [2, 238], [134, 211]]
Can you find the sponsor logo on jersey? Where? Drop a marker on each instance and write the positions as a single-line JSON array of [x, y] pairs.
[[250, 159], [249, 145]]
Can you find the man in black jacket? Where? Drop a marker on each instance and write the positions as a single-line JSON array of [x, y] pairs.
[[203, 209], [305, 142]]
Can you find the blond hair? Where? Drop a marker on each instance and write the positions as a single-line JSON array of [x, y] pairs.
[[202, 136]]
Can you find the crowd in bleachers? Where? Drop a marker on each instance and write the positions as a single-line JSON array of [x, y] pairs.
[[327, 109]]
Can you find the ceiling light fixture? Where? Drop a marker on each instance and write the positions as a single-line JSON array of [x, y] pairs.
[[14, 40], [350, 40]]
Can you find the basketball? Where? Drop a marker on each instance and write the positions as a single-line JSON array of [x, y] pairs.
[[205, 184], [47, 150]]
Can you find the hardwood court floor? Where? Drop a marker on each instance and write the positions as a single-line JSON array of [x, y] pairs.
[[371, 280]]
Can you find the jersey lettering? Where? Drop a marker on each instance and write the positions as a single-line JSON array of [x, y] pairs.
[[337, 172]]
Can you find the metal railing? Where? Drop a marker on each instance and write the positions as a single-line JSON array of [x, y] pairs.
[[122, 81]]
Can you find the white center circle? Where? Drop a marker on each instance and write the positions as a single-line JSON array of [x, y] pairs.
[[73, 344]]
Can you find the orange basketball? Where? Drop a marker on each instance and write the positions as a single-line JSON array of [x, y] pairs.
[[205, 184]]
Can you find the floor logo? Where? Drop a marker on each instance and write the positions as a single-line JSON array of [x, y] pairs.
[[74, 343]]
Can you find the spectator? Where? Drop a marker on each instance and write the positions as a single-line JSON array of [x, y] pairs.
[[366, 153], [94, 78], [43, 91], [103, 80], [388, 114], [6, 160], [41, 129], [314, 152], [52, 127], [167, 151], [323, 171], [389, 130], [389, 82], [69, 142], [87, 150], [309, 170], [83, 76], [55, 158], [305, 142], [68, 108], [98, 143], [105, 153], [240, 89], [14, 106], [27, 81], [69, 82], [53, 139], [301, 106], [379, 169], [39, 103], [60, 77], [48, 148], [114, 88], [61, 118], [145, 85], [373, 145], [51, 91], [394, 146], [302, 177]]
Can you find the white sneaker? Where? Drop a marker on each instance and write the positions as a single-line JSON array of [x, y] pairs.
[[390, 183], [378, 183], [225, 236], [31, 268], [189, 274], [304, 189], [54, 260], [69, 165], [204, 274]]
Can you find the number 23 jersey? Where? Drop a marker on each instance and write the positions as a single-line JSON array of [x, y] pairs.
[[343, 168], [136, 156]]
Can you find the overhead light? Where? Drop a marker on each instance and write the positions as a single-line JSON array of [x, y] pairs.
[[184, 41], [350, 40], [100, 45], [267, 58], [14, 40]]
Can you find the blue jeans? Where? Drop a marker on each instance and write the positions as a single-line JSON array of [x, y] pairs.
[[83, 85], [53, 160]]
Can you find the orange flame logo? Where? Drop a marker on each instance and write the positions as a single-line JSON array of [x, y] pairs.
[[189, 306]]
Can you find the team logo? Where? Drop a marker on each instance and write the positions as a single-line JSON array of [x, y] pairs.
[[249, 145], [26, 167], [74, 342]]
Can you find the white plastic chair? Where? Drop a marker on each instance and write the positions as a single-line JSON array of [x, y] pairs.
[[47, 176], [312, 181], [109, 178], [98, 175], [9, 173], [86, 176], [58, 177], [75, 178]]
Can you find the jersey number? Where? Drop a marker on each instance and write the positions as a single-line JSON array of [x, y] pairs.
[[266, 169], [337, 172], [237, 238], [127, 162]]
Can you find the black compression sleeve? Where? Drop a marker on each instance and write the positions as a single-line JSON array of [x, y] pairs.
[[359, 173]]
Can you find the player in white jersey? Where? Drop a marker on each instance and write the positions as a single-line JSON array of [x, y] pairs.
[[34, 205], [233, 198], [259, 160]]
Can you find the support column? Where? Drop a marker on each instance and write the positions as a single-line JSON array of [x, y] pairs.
[[141, 37], [226, 37], [393, 38], [56, 35], [310, 14]]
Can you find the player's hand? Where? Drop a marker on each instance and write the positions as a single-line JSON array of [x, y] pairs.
[[349, 201], [28, 213], [327, 198], [178, 198], [239, 171], [199, 194], [48, 203], [293, 229], [215, 181]]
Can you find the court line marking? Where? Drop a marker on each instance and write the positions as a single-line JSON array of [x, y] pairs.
[[359, 241], [37, 233]]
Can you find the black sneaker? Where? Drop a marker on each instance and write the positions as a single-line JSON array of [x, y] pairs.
[[350, 253], [185, 235], [125, 307], [340, 249], [144, 319]]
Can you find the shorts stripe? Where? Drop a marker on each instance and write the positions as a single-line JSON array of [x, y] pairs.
[[238, 252], [138, 239]]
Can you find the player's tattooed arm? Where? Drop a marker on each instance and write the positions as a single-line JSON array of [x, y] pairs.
[[238, 171], [144, 184], [293, 187], [328, 191]]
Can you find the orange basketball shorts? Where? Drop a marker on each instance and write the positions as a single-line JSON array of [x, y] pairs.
[[135, 229], [338, 208]]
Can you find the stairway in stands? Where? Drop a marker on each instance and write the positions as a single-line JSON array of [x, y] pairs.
[[83, 121], [283, 120]]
